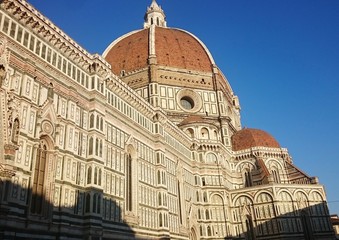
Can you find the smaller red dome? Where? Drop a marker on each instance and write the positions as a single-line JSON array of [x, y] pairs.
[[249, 137]]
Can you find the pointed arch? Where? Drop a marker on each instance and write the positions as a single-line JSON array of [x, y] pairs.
[[209, 231], [190, 132], [247, 176], [211, 158], [38, 198], [193, 234], [204, 133], [160, 220], [89, 175]]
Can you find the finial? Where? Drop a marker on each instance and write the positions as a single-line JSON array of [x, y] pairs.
[[154, 16]]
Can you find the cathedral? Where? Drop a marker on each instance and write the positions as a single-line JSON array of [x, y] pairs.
[[142, 142]]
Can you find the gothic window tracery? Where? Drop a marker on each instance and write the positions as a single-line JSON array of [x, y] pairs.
[[276, 176], [247, 178]]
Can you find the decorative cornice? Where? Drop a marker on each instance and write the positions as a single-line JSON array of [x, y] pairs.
[[43, 27], [262, 152]]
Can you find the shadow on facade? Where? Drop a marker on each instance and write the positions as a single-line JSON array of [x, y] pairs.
[[27, 215], [309, 223]]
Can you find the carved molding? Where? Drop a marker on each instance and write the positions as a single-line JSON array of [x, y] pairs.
[[5, 172]]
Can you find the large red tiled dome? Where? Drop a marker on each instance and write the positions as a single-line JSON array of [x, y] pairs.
[[248, 138], [173, 48]]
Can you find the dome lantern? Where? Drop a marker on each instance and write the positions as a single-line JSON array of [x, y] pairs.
[[155, 16]]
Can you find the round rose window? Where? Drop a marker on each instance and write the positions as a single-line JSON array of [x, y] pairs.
[[189, 100], [187, 103]]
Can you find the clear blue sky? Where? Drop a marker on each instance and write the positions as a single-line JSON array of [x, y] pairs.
[[280, 57]]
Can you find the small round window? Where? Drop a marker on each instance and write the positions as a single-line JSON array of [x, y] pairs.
[[187, 103]]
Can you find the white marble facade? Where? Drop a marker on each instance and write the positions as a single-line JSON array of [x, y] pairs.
[[84, 156]]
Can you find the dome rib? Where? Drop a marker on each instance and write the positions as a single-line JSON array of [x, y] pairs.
[[180, 49], [173, 48]]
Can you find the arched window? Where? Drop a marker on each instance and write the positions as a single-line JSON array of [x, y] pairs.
[[101, 124], [204, 133], [128, 182], [207, 213], [89, 175], [160, 220], [209, 232], [198, 197], [91, 121], [39, 179], [211, 158], [215, 134], [90, 146], [158, 23], [248, 178], [190, 132]]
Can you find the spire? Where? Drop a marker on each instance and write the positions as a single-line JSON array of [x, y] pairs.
[[154, 16]]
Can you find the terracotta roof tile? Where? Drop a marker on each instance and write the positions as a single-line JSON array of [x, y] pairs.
[[130, 53], [173, 48], [248, 138]]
